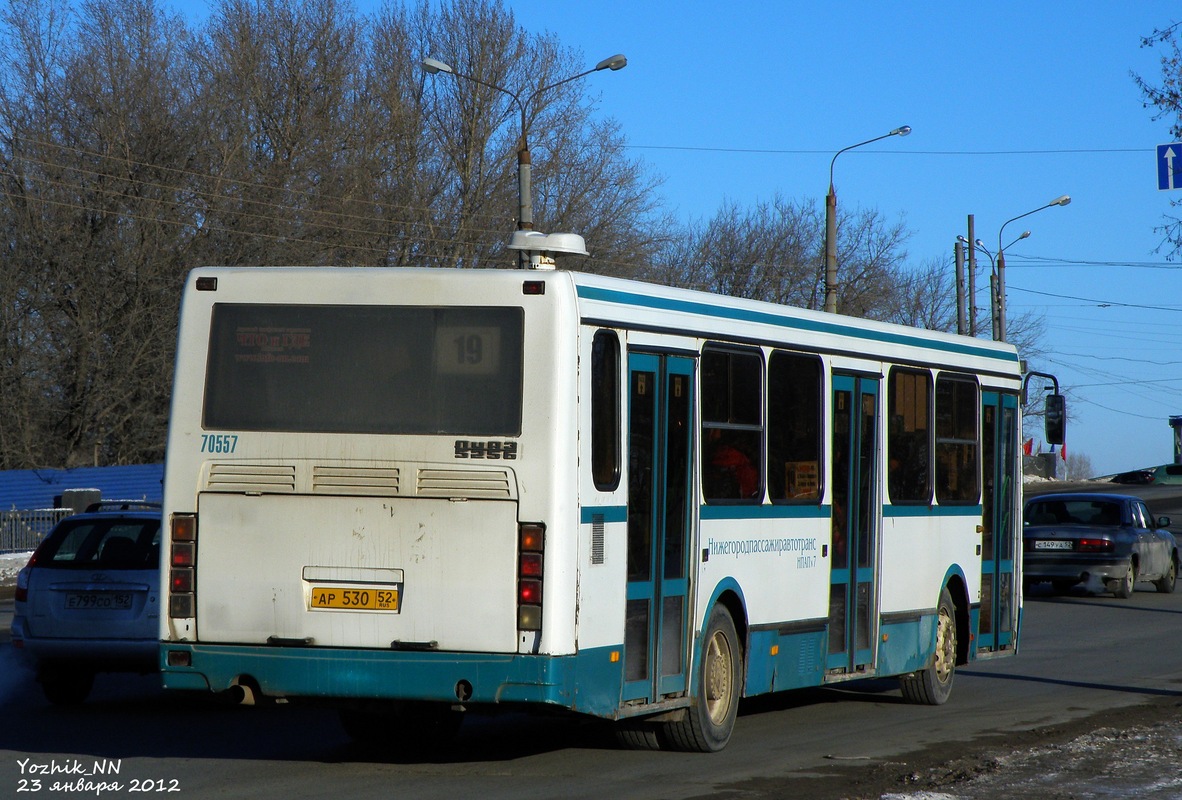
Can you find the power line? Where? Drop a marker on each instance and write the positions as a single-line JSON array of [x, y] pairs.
[[1051, 262], [1122, 411], [909, 152], [1123, 358], [1129, 382], [210, 195], [1099, 303]]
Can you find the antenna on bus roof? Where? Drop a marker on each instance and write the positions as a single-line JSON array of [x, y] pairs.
[[543, 247]]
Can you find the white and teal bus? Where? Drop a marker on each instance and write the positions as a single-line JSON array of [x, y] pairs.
[[420, 492]]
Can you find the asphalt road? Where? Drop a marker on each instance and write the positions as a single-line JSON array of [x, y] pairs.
[[1081, 656]]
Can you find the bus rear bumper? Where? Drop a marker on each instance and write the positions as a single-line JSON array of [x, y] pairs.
[[588, 682]]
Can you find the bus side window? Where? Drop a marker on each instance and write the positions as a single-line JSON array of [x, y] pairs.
[[909, 463], [732, 424], [794, 427], [957, 451], [605, 411]]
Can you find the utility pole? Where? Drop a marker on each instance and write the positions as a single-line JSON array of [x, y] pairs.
[[960, 320], [972, 279]]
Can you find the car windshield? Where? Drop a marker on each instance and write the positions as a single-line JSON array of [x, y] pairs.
[[1073, 512], [102, 543]]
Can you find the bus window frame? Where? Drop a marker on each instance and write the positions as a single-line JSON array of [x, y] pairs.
[[959, 439], [728, 433], [771, 413], [606, 411], [928, 465]]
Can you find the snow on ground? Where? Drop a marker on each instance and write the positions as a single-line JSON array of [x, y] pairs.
[[10, 565], [1141, 762]]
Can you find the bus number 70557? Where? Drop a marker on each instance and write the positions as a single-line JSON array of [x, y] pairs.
[[219, 442]]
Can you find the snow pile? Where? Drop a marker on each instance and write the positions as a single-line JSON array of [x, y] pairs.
[[10, 565], [1140, 762]]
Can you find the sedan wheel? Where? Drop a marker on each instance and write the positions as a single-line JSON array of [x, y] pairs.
[[1168, 581], [1124, 587]]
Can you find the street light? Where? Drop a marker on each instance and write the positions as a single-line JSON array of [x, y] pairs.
[[525, 219], [979, 246], [1001, 265], [831, 222]]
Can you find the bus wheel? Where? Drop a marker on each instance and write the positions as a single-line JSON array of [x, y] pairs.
[[708, 724], [407, 726], [933, 685], [637, 735]]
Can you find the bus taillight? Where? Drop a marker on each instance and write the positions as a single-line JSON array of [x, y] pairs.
[[529, 576], [182, 566]]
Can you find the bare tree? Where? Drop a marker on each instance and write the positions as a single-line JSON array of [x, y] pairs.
[[33, 55], [923, 298], [773, 251], [1079, 466], [1166, 98], [408, 176], [766, 252], [870, 257], [281, 131], [582, 179], [96, 214], [280, 172]]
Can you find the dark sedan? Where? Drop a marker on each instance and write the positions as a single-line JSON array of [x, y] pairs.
[[1108, 542]]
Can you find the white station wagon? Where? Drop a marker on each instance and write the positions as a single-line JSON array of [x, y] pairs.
[[89, 599]]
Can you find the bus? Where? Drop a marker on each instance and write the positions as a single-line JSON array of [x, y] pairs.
[[420, 493]]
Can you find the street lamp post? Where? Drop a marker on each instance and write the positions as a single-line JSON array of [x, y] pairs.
[[979, 246], [525, 217], [1001, 265], [831, 222]]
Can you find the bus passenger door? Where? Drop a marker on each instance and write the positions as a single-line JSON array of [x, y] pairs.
[[999, 591], [852, 591], [660, 449]]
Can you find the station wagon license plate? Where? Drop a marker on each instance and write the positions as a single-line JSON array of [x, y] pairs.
[[115, 601], [1052, 544], [355, 598]]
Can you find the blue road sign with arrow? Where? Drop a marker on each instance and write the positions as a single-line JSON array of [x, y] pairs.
[[1167, 178]]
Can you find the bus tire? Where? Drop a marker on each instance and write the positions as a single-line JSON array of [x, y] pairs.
[[932, 686], [709, 721], [638, 735]]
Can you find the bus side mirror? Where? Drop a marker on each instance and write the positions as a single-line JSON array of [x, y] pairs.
[[1055, 417]]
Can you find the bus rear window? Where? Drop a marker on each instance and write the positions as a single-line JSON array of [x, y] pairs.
[[365, 369]]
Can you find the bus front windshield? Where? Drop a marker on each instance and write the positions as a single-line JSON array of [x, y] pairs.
[[365, 369]]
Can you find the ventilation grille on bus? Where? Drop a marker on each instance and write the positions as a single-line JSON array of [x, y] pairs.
[[490, 484], [264, 479], [373, 481]]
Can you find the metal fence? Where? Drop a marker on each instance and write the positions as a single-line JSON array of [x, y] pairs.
[[22, 530]]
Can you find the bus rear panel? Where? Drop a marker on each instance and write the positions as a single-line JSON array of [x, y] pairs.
[[343, 488]]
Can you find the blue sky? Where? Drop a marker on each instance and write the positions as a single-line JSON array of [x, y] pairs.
[[1011, 104]]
